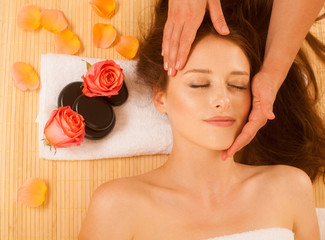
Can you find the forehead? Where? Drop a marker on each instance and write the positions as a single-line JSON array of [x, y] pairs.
[[217, 54]]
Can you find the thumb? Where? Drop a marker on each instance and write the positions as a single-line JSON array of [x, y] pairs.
[[217, 17], [267, 108]]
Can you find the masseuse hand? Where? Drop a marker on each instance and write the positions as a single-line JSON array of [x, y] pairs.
[[184, 19], [264, 92]]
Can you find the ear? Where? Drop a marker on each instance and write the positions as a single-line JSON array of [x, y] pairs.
[[159, 100]]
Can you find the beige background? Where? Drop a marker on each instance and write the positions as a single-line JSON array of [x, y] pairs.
[[70, 183]]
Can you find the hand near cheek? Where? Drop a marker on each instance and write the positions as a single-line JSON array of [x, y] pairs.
[[184, 19], [264, 92]]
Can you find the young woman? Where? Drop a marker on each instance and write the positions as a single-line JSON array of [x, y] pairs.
[[195, 194]]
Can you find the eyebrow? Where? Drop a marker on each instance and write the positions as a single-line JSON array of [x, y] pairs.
[[239, 73], [208, 71]]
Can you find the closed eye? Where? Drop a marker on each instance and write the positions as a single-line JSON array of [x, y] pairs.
[[200, 86], [238, 87]]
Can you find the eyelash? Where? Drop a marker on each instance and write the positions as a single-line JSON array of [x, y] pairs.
[[200, 86], [207, 85], [238, 87]]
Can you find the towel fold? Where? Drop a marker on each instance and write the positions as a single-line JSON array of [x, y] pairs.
[[321, 221], [274, 233], [260, 234], [139, 129]]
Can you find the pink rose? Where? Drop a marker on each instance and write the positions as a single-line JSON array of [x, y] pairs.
[[65, 128], [104, 78]]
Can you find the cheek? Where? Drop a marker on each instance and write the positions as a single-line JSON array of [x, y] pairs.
[[248, 104], [184, 110], [243, 106], [181, 102]]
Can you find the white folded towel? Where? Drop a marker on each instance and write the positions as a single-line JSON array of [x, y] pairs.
[[139, 129], [321, 221], [260, 234], [274, 233]]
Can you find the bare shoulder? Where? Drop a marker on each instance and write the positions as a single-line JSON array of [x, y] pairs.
[[287, 177], [117, 189], [283, 182], [294, 187], [292, 183], [112, 211], [278, 177]]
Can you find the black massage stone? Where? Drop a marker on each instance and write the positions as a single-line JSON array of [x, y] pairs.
[[117, 100], [69, 94], [96, 111], [92, 134]]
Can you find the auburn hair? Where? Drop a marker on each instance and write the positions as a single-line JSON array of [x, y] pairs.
[[296, 137]]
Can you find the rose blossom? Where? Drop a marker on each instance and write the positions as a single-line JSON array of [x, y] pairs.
[[103, 78], [65, 128]]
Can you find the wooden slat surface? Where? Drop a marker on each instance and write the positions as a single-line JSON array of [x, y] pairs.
[[70, 183]]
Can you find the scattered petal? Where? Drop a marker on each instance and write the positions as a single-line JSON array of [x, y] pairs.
[[28, 17], [104, 8], [103, 35], [127, 46], [53, 20], [67, 42], [32, 192], [25, 78]]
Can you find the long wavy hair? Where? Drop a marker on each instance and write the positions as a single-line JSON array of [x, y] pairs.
[[296, 137]]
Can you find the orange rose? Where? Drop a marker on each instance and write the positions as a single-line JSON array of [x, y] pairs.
[[104, 78], [65, 128]]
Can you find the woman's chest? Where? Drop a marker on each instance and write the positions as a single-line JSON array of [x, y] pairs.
[[171, 218]]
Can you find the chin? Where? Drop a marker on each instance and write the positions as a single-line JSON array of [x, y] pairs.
[[221, 139], [221, 148], [220, 145]]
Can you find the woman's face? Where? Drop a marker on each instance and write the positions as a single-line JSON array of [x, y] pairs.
[[209, 100]]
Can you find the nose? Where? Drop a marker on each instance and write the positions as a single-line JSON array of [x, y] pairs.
[[220, 99], [223, 104]]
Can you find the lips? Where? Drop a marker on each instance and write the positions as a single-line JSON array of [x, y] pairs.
[[220, 121]]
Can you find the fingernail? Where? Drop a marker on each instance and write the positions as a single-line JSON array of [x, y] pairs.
[[162, 53], [224, 30], [178, 64], [170, 71], [224, 156], [166, 66], [271, 114]]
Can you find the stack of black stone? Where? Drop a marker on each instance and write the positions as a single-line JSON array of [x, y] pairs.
[[97, 112]]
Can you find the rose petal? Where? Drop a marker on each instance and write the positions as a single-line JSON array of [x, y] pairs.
[[127, 46], [67, 42], [103, 35], [104, 8], [104, 78], [53, 20], [32, 192], [25, 78], [54, 133], [62, 133], [28, 17]]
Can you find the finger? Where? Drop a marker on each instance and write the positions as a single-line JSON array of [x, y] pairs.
[[242, 139], [186, 40], [217, 17], [168, 31], [224, 155], [173, 49], [267, 111], [248, 133], [267, 107]]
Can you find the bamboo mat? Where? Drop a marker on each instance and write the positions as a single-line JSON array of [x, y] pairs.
[[70, 183]]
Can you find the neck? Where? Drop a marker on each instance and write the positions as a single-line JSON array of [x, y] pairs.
[[200, 171]]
